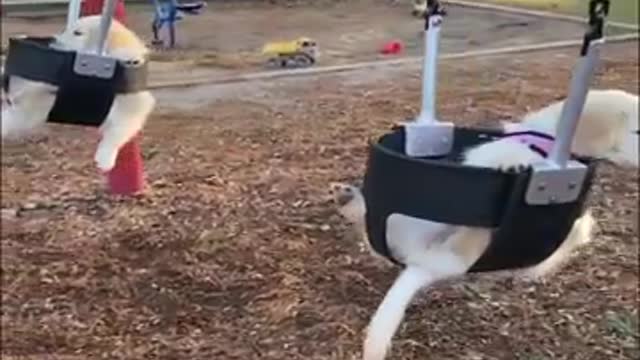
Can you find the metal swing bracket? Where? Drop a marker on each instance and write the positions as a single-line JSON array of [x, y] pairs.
[[559, 179], [94, 64], [426, 136]]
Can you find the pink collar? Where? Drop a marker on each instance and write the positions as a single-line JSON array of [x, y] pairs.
[[539, 142]]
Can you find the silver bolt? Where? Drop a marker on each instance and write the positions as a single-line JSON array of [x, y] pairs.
[[553, 199], [572, 185], [542, 187]]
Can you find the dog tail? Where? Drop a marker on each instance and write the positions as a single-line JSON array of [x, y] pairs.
[[627, 150], [391, 311], [622, 132]]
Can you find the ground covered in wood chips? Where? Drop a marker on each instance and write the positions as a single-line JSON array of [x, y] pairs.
[[235, 252]]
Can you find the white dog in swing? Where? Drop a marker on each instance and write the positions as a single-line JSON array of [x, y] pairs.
[[27, 104], [433, 251]]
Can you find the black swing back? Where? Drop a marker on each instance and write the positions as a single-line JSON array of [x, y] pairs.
[[443, 190], [80, 99]]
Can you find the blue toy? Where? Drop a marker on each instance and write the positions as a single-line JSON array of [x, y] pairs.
[[168, 12]]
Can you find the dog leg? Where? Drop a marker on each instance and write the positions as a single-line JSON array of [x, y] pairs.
[[113, 138], [12, 126], [25, 107], [437, 265], [391, 311], [127, 117], [580, 235], [18, 122]]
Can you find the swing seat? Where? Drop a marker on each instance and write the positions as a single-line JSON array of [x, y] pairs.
[[193, 8], [87, 83], [443, 190], [166, 13], [172, 12]]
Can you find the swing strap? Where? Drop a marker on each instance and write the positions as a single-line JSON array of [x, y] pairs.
[[598, 11], [434, 8]]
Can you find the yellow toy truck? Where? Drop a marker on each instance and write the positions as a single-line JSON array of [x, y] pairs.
[[301, 52]]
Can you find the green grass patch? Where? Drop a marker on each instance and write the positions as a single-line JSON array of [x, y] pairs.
[[621, 10]]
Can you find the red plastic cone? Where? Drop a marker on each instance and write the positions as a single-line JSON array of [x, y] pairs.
[[94, 7], [127, 176]]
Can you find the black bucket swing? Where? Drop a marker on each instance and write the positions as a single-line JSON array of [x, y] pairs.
[[415, 169], [87, 82]]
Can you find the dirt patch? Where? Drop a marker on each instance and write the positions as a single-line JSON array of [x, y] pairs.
[[228, 37], [235, 254]]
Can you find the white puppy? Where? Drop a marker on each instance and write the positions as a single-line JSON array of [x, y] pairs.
[[608, 126], [435, 251], [28, 103]]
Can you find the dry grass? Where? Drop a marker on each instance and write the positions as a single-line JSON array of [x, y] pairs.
[[235, 253], [235, 60]]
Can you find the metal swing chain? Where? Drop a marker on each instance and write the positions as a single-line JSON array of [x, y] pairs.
[[598, 11], [434, 8]]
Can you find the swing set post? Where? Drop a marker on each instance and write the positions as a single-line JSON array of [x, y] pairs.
[[127, 176]]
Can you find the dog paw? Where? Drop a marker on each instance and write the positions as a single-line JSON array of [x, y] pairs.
[[518, 168], [532, 278], [105, 159]]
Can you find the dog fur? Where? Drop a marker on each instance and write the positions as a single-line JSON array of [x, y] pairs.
[[418, 8], [435, 251], [28, 103], [608, 127]]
